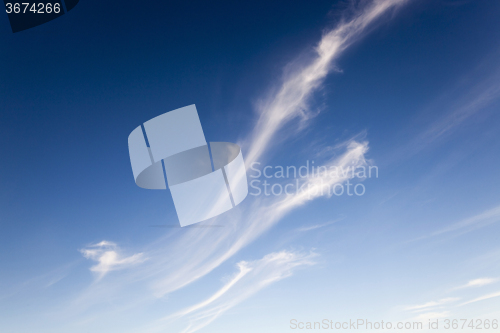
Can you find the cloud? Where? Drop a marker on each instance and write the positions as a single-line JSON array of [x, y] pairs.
[[108, 257], [431, 304], [425, 317], [476, 93], [478, 221], [478, 283], [430, 309], [291, 99], [43, 281], [317, 226], [481, 298], [251, 277], [456, 117]]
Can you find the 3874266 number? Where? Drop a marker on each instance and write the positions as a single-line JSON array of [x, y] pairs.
[[40, 8]]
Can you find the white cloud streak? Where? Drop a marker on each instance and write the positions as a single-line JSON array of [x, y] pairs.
[[468, 102], [251, 277], [478, 221], [469, 224], [432, 304], [449, 122], [318, 226], [108, 258], [482, 298], [425, 317], [478, 283], [291, 100]]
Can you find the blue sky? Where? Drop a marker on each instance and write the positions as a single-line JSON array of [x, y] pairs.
[[411, 87]]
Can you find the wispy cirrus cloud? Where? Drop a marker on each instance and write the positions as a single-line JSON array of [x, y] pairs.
[[291, 100], [482, 298], [431, 310], [251, 277], [108, 257], [432, 304], [318, 226], [478, 283], [425, 317], [449, 122], [477, 221], [457, 107], [466, 225], [441, 308]]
